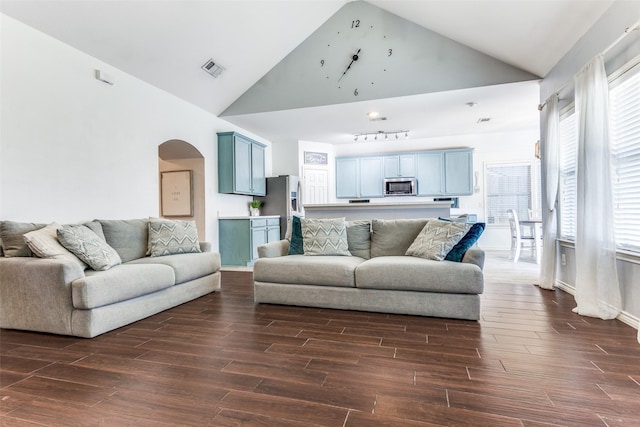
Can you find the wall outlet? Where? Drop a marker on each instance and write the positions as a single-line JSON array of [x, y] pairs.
[[563, 259]]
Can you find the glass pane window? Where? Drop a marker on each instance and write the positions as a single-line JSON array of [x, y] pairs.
[[624, 105], [568, 185], [508, 187]]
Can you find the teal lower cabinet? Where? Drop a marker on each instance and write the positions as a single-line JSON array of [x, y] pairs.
[[240, 237]]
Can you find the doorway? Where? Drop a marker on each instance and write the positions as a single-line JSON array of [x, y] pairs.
[[178, 155]]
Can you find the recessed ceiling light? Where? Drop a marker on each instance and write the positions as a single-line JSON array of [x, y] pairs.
[[373, 115], [484, 119], [471, 104]]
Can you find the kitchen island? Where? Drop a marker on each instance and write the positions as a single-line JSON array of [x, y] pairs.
[[388, 210]]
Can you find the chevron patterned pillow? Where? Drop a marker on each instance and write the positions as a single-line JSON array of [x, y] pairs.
[[325, 236], [88, 246], [168, 237], [437, 238]]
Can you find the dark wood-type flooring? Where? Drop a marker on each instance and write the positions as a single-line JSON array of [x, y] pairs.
[[223, 361]]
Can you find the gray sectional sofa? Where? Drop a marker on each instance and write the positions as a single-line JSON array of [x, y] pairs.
[[59, 295], [377, 277]]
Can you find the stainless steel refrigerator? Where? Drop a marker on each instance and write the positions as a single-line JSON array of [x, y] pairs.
[[284, 198]]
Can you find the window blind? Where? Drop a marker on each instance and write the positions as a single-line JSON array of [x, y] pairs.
[[568, 184], [624, 105], [508, 187]]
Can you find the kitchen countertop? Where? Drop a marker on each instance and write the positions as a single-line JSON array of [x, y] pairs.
[[248, 217], [383, 210], [385, 205]]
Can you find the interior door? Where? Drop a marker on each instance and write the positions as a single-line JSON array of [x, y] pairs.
[[315, 186]]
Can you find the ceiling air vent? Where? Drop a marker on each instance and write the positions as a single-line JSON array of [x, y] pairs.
[[212, 68]]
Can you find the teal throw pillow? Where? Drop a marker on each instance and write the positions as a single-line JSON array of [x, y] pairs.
[[296, 245], [469, 239]]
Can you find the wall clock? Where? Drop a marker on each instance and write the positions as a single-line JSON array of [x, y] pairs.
[[356, 57]]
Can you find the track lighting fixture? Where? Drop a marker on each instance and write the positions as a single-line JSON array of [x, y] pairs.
[[381, 133]]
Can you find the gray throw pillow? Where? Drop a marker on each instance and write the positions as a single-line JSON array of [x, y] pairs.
[[168, 237], [129, 237], [325, 236], [359, 238], [88, 246], [392, 237], [12, 233], [436, 239]]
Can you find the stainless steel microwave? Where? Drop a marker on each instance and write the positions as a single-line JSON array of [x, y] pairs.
[[400, 187]]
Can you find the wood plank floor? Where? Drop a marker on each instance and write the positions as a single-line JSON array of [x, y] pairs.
[[223, 361]]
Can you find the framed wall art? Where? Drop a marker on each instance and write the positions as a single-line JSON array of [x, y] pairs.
[[176, 193], [315, 158]]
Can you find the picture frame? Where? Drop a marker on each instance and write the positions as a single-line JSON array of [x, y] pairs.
[[315, 158], [176, 193]]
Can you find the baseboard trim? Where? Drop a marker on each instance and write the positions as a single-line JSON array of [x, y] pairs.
[[624, 317]]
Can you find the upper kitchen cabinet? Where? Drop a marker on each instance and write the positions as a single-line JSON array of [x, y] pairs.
[[359, 177], [241, 167], [430, 173], [445, 172], [458, 172], [400, 166]]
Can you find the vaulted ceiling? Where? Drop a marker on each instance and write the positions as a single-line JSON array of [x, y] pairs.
[[165, 42]]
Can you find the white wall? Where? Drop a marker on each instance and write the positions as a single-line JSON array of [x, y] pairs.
[[74, 148]]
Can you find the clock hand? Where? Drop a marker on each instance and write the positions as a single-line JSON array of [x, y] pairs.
[[353, 59]]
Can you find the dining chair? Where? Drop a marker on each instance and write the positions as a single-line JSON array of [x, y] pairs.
[[518, 239]]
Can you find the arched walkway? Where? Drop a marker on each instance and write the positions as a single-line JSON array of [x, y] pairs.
[[178, 155]]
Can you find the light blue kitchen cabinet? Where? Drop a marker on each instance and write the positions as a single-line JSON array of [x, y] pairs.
[[240, 237], [358, 177], [400, 166], [347, 178], [241, 165], [430, 173], [458, 172], [445, 172], [371, 177]]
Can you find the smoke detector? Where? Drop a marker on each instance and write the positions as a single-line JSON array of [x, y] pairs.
[[212, 68]]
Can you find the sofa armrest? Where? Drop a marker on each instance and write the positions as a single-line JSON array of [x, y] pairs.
[[474, 255], [273, 249], [205, 246], [35, 294]]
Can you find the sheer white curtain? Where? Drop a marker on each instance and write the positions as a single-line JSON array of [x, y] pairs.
[[552, 170], [597, 292]]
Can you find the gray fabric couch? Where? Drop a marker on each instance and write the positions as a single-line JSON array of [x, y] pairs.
[[59, 296], [380, 279]]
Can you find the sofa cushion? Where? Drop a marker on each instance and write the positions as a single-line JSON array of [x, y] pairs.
[[185, 266], [87, 246], [469, 239], [12, 233], [419, 274], [167, 237], [129, 238], [359, 238], [436, 239], [120, 283], [44, 243], [325, 236], [308, 270], [391, 237]]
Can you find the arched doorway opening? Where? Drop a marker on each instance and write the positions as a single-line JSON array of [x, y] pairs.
[[178, 155]]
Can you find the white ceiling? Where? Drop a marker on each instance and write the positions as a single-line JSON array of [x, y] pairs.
[[165, 42]]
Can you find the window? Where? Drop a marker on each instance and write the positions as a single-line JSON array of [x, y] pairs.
[[568, 185], [624, 106], [624, 116], [509, 186]]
